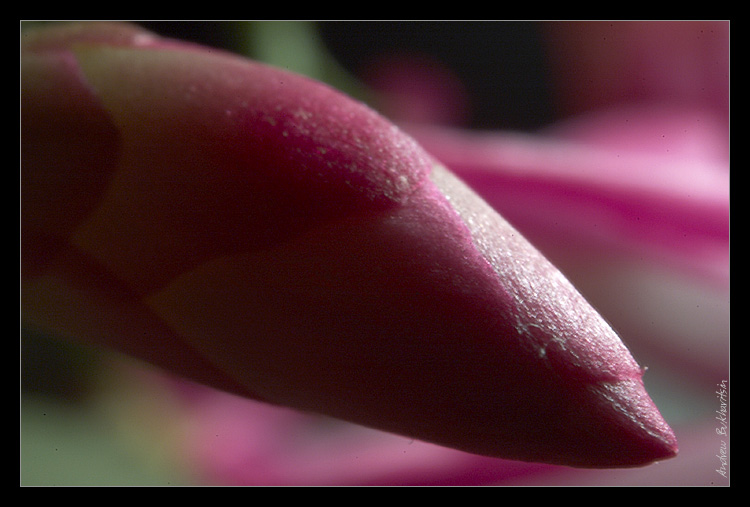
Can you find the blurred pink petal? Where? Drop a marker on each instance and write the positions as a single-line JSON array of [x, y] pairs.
[[599, 64], [675, 133], [417, 88], [235, 441]]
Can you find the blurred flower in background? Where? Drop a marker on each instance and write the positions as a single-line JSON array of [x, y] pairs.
[[606, 144]]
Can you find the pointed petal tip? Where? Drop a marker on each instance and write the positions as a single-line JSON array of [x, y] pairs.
[[638, 433], [659, 441], [664, 444]]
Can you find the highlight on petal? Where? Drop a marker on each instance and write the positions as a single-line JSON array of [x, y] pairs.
[[635, 198], [260, 232], [615, 193]]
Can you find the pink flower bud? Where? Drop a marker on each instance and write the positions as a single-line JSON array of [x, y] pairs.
[[262, 233]]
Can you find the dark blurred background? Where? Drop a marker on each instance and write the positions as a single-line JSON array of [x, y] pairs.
[[500, 64]]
